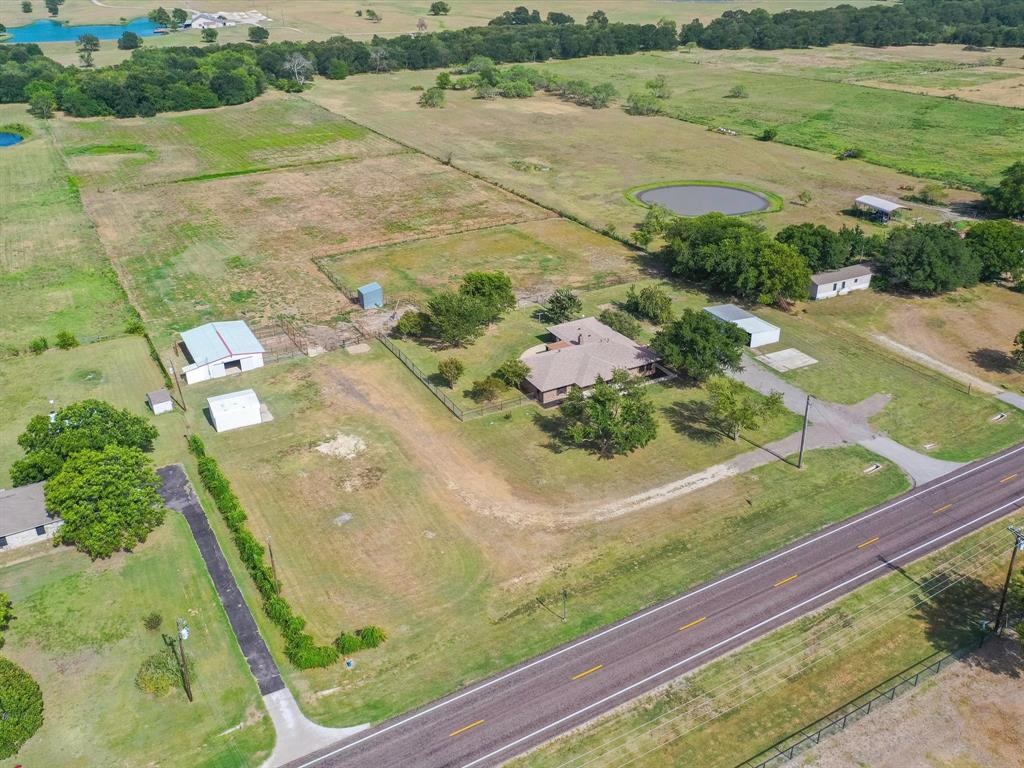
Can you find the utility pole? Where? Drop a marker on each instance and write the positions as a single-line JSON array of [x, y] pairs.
[[273, 565], [1018, 546], [803, 434], [565, 600], [182, 637]]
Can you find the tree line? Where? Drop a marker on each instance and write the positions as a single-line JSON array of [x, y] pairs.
[[911, 22]]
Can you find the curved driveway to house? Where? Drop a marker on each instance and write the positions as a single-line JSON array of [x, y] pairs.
[[507, 714]]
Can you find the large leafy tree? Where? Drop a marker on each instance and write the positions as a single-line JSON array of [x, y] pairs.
[[1018, 351], [769, 272], [456, 318], [108, 500], [999, 245], [21, 702], [928, 258], [563, 305], [492, 289], [699, 345], [823, 249], [615, 417], [737, 407], [89, 424], [1008, 196]]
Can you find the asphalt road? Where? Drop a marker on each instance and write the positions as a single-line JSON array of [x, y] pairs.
[[507, 714]]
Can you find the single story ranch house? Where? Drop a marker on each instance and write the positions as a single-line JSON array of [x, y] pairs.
[[23, 518], [825, 285], [216, 349], [583, 351]]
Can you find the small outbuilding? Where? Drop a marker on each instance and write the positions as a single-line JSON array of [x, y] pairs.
[[882, 209], [759, 332], [371, 296], [160, 402], [235, 410], [825, 285], [23, 518], [215, 350]]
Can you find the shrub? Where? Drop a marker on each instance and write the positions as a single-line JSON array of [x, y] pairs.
[[305, 654], [153, 621], [563, 305], [66, 340], [768, 134], [347, 643], [38, 346], [486, 390], [516, 89], [649, 303], [129, 41], [512, 372], [21, 701], [160, 673], [643, 103], [371, 636], [135, 327], [738, 92], [337, 70], [621, 322], [208, 35], [412, 324], [451, 369], [432, 98]]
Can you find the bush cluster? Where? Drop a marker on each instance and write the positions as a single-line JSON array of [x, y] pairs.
[[21, 701], [160, 673], [300, 646]]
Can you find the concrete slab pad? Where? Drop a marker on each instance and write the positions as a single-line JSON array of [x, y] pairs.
[[358, 349], [787, 360]]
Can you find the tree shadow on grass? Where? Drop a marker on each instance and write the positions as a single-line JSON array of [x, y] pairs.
[[691, 418], [953, 607], [993, 360], [552, 425]]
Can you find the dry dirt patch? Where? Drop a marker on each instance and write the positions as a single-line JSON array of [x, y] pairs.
[[342, 446]]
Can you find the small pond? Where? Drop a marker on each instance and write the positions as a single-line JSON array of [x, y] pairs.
[[9, 139], [698, 199], [48, 31]]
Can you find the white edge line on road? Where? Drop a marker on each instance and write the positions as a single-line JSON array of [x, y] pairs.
[[650, 611], [738, 635]]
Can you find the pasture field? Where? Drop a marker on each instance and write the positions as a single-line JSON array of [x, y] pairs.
[[724, 713], [79, 632], [383, 508], [53, 275], [582, 161], [956, 142], [926, 407], [119, 371], [320, 19], [538, 255]]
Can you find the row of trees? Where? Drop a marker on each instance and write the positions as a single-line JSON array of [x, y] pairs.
[[519, 82], [910, 22]]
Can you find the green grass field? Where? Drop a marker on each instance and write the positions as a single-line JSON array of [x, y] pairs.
[[910, 133], [79, 632], [726, 712], [401, 535], [53, 274]]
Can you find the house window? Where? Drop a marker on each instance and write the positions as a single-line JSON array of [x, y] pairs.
[[835, 286], [3, 542], [844, 283], [40, 530], [561, 390]]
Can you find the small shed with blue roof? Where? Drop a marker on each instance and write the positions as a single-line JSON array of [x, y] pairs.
[[371, 296]]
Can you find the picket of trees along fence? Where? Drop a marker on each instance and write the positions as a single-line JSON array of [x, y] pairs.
[[837, 720], [462, 414]]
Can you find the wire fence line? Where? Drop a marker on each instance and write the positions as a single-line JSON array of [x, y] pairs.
[[800, 741], [462, 414]]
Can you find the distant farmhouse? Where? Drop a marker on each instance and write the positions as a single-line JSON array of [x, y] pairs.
[[881, 208], [23, 518], [215, 350], [759, 332], [825, 285], [583, 351]]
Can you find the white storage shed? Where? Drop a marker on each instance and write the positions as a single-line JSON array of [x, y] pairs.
[[235, 410], [759, 332], [218, 349], [160, 401]]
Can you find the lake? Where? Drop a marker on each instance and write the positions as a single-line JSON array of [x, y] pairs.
[[48, 31], [9, 139]]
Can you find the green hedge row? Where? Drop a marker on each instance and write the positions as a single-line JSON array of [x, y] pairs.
[[300, 647]]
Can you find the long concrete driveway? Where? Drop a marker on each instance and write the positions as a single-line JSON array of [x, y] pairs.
[[509, 713]]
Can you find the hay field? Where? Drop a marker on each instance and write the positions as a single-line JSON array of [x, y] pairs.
[[53, 275], [446, 535], [202, 226], [582, 161]]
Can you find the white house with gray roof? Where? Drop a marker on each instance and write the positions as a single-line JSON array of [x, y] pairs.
[[583, 351], [840, 282], [216, 350], [23, 518]]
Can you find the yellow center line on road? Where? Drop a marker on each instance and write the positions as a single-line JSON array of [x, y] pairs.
[[590, 671], [942, 509], [1008, 478], [465, 728], [693, 623], [785, 581], [868, 543]]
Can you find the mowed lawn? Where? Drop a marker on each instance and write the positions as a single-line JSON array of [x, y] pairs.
[[428, 529], [79, 631], [583, 161], [953, 141], [726, 712], [53, 274]]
